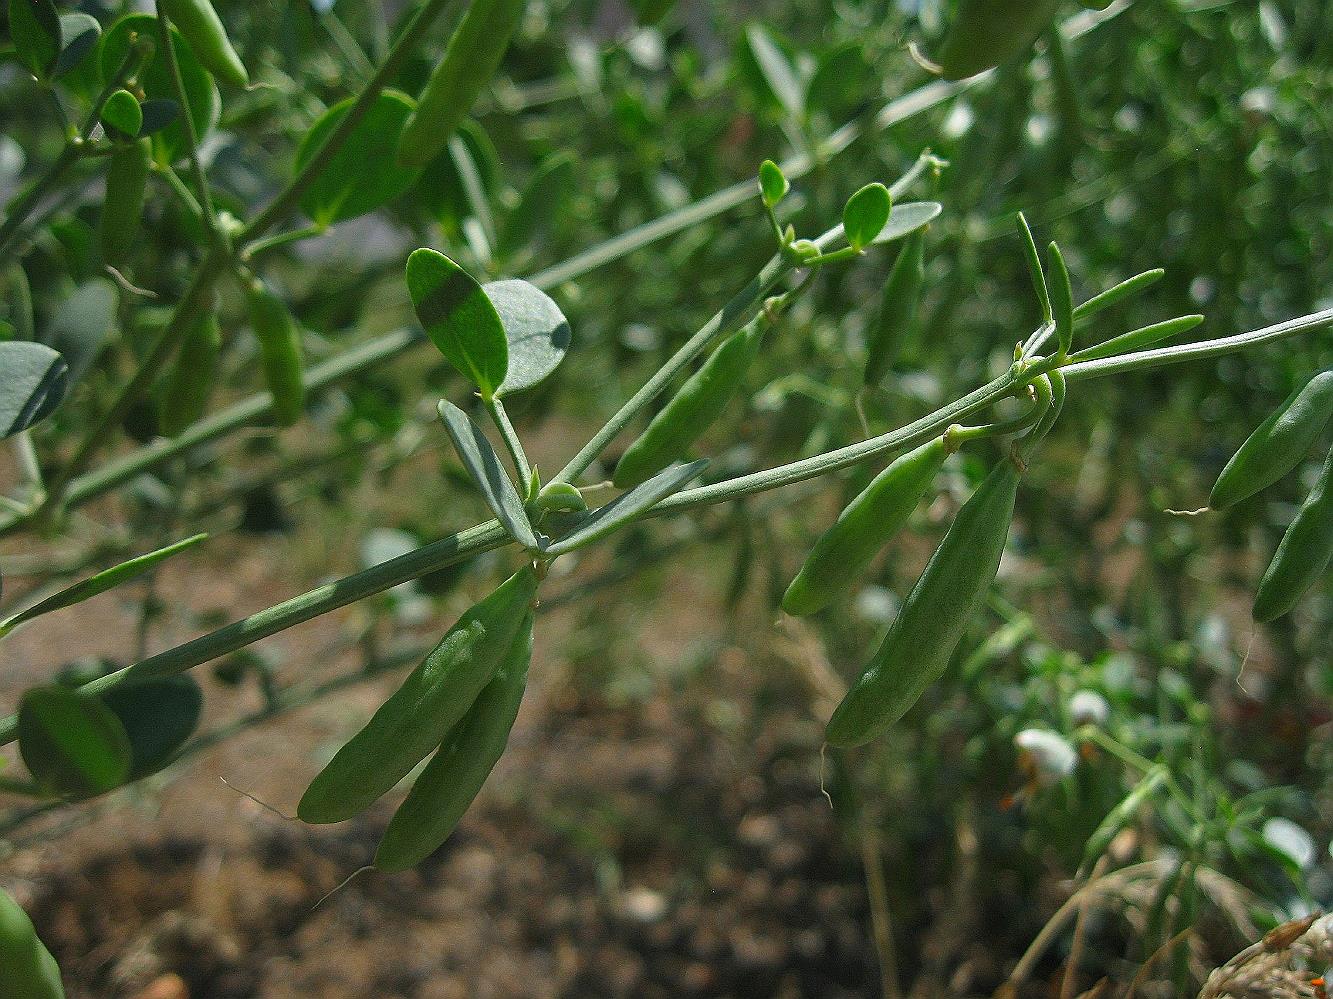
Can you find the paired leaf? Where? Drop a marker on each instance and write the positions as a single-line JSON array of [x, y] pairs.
[[360, 177], [487, 470], [1125, 289], [73, 745], [33, 381], [459, 318], [536, 332], [1062, 300], [105, 580], [34, 26], [122, 112], [628, 506], [906, 219], [773, 183], [79, 33], [865, 215], [158, 715]]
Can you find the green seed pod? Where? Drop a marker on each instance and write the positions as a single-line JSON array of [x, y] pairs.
[[473, 55], [930, 625], [280, 352], [27, 969], [693, 409], [122, 210], [1278, 445], [190, 382], [986, 33], [431, 701], [1304, 553], [897, 308], [201, 27], [843, 552], [455, 775]]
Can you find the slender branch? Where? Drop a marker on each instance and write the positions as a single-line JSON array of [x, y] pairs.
[[187, 123], [290, 195], [512, 444]]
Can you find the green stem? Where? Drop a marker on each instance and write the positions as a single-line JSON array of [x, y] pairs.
[[512, 444], [290, 195], [187, 124], [260, 247]]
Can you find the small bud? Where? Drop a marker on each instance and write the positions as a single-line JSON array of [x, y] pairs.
[[1049, 754], [1087, 707]]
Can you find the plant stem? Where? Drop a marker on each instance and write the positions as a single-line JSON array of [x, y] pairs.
[[262, 246], [512, 444], [290, 195], [187, 125]]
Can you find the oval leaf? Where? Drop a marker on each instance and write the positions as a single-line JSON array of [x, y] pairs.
[[158, 715], [459, 318], [360, 177], [488, 472], [536, 331], [628, 506], [34, 26], [74, 746], [33, 380], [78, 34], [906, 219], [865, 214], [122, 112], [200, 92]]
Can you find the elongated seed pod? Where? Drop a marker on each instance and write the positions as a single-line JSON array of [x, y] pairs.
[[122, 208], [190, 381], [897, 308], [27, 969], [447, 786], [201, 27], [431, 701], [693, 409], [1303, 555], [930, 625], [986, 33], [280, 352], [866, 525], [469, 62], [1278, 445]]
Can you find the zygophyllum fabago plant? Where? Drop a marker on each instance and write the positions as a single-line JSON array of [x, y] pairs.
[[150, 88]]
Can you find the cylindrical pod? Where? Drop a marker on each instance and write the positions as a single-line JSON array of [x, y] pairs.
[[693, 409], [897, 309], [190, 382], [279, 350], [447, 786], [122, 209], [986, 33], [866, 525], [930, 625], [1303, 555], [201, 27], [27, 969], [420, 713], [469, 62], [1278, 445]]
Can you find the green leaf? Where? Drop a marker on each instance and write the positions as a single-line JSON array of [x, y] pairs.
[[1034, 266], [33, 380], [158, 715], [122, 112], [865, 214], [361, 177], [105, 580], [777, 71], [73, 745], [906, 219], [79, 34], [459, 318], [773, 183], [34, 26], [628, 506], [540, 204], [81, 325], [536, 331], [1118, 293], [1062, 299], [842, 81], [486, 469], [169, 145]]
